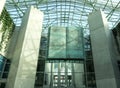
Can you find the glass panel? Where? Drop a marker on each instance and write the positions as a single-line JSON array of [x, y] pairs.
[[57, 42], [65, 42], [2, 61], [65, 74], [74, 42]]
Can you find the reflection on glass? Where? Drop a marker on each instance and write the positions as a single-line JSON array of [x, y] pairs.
[[64, 74]]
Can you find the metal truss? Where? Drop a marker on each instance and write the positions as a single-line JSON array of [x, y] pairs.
[[65, 12]]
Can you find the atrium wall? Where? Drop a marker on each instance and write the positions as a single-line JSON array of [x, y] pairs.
[[61, 55], [116, 37], [66, 56]]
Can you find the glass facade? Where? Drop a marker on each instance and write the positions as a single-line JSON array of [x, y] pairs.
[[2, 62], [4, 70], [64, 74]]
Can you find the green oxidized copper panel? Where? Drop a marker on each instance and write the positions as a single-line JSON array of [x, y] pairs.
[[74, 40], [57, 42]]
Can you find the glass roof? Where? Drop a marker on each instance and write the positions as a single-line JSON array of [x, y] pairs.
[[65, 12]]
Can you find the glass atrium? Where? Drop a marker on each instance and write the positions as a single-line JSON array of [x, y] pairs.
[[55, 70], [66, 12]]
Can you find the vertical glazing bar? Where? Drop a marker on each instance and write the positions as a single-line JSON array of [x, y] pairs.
[[51, 77], [66, 74], [59, 65], [73, 76]]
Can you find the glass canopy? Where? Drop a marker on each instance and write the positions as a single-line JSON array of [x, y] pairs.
[[65, 12]]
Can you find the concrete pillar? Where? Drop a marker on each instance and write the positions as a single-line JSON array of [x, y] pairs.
[[24, 63], [101, 49], [2, 4]]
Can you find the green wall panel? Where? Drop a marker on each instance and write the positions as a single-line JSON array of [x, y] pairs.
[[57, 42], [65, 42], [74, 38]]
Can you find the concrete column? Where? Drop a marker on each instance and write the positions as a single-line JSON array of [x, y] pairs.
[[2, 4], [24, 63], [102, 50]]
